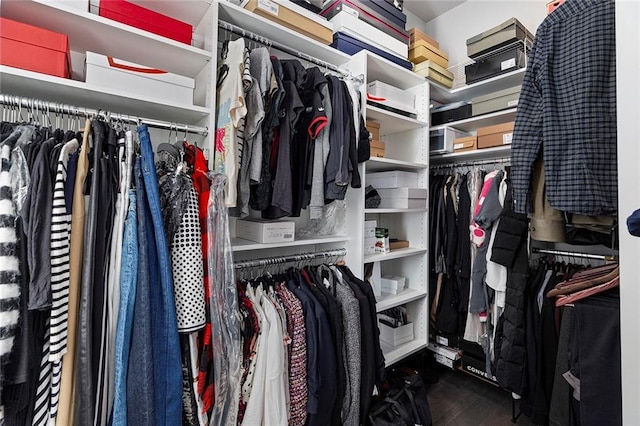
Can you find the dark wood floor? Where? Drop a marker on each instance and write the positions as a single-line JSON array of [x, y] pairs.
[[458, 399]]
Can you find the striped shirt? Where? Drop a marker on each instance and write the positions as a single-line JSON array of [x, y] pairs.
[[55, 346], [9, 264]]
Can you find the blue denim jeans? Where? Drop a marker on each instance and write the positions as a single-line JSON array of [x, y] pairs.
[[124, 327], [166, 344], [140, 383]]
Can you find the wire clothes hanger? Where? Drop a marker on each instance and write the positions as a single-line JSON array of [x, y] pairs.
[[286, 49], [21, 102], [279, 260]]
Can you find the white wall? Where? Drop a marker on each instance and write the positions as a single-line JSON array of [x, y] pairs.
[[628, 108], [453, 28], [413, 21]]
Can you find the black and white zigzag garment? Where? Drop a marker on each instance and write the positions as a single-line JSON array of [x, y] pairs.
[[9, 266]]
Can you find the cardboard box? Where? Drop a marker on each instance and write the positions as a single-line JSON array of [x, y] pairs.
[[468, 143], [35, 49], [496, 101], [422, 51], [366, 11], [396, 336], [376, 152], [374, 128], [434, 72], [286, 16], [377, 148], [109, 72], [476, 367], [145, 19], [393, 179], [415, 35], [498, 135], [404, 193], [346, 23], [398, 244], [265, 232], [499, 36]]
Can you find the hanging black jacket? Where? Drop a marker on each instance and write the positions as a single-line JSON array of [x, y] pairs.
[[511, 356]]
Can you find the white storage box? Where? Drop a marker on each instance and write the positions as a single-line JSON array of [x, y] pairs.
[[441, 140], [128, 77], [403, 203], [445, 356], [390, 96], [370, 244], [394, 282], [345, 22], [396, 336], [393, 179], [370, 229], [403, 193], [265, 232]]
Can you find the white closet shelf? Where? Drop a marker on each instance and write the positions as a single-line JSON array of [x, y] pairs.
[[387, 301], [393, 354], [15, 81], [466, 92], [239, 244], [90, 32], [379, 68], [378, 164], [379, 211], [391, 122], [478, 154], [273, 31], [394, 254], [472, 123]]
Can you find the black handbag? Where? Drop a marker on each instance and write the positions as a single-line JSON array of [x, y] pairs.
[[405, 404]]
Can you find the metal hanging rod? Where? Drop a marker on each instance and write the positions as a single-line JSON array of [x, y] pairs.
[[453, 165], [41, 106], [575, 254], [265, 261], [284, 48]]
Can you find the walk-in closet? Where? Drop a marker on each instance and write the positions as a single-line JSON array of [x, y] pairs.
[[319, 212]]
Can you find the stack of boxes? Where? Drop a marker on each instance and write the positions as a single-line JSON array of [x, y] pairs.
[[429, 61], [498, 50], [377, 146], [374, 25]]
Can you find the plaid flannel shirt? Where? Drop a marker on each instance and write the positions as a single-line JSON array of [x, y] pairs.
[[567, 109]]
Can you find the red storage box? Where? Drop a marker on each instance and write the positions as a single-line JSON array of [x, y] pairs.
[[145, 19], [34, 49]]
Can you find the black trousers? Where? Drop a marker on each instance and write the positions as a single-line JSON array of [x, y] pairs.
[[595, 359]]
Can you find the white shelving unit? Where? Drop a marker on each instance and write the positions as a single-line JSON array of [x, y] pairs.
[[444, 95], [240, 244], [406, 148], [479, 154], [90, 32]]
